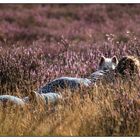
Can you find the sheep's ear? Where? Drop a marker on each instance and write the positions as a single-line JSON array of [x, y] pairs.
[[102, 60], [114, 60]]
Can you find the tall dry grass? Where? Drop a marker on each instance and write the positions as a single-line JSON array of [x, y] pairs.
[[112, 111], [41, 42]]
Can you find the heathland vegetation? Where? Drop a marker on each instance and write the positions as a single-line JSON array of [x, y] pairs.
[[39, 43]]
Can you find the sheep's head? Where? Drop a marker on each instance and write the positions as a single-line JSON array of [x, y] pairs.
[[108, 63]]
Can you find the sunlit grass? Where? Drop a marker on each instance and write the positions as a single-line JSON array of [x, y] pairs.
[[109, 112], [41, 42]]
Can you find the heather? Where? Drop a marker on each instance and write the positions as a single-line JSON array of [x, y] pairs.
[[41, 42]]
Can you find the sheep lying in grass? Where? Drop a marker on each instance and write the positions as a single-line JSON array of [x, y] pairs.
[[127, 65], [73, 83], [50, 98], [12, 100], [46, 99]]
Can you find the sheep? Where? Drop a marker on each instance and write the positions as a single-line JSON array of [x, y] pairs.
[[74, 83], [12, 100], [49, 98]]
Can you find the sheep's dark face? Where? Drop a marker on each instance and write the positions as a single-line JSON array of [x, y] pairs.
[[108, 63]]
